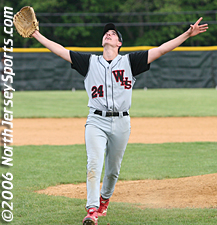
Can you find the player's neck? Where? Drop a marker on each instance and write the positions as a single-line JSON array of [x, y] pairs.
[[109, 53]]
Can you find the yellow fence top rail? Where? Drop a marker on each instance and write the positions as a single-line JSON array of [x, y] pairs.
[[123, 49]]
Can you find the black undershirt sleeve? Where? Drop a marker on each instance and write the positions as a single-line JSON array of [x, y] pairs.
[[138, 61], [80, 62]]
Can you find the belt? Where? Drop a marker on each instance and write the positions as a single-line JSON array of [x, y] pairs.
[[110, 113]]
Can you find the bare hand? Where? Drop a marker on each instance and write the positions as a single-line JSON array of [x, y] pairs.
[[197, 29]]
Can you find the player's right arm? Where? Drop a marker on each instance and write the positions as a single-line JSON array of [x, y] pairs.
[[53, 46]]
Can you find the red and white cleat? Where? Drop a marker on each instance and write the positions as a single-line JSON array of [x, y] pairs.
[[91, 218], [103, 207]]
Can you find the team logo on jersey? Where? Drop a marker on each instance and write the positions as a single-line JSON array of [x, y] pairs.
[[119, 77]]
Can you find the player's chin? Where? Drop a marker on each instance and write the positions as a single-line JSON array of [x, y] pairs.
[[107, 43], [104, 43]]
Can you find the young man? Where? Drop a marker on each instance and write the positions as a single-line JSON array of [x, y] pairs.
[[109, 79]]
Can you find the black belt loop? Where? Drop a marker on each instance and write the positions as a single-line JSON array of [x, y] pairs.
[[98, 112], [110, 113]]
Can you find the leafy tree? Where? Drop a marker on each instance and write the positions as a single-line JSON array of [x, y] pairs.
[[156, 35], [142, 11]]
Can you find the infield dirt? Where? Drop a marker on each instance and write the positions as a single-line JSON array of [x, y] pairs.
[[69, 131], [192, 192]]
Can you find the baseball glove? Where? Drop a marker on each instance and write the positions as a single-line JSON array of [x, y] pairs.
[[26, 22]]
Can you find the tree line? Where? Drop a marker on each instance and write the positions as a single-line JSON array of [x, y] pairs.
[[141, 22]]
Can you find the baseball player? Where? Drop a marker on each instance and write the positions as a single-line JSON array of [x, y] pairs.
[[109, 79]]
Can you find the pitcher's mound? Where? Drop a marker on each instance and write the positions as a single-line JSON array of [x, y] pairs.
[[191, 192]]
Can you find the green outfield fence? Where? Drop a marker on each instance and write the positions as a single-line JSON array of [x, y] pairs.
[[184, 67]]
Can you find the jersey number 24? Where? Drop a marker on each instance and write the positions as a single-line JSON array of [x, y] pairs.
[[97, 92]]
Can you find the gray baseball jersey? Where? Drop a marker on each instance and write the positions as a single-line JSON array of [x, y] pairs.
[[109, 87], [109, 84]]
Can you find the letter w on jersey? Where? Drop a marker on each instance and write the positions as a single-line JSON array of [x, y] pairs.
[[119, 77]]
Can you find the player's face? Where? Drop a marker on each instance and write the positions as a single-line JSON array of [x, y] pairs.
[[111, 38]]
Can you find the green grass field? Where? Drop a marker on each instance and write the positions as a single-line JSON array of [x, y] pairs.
[[38, 167], [150, 103]]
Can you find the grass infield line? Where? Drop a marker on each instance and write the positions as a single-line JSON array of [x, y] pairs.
[[145, 103]]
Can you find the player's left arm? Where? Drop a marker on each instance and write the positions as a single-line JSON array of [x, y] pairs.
[[194, 30]]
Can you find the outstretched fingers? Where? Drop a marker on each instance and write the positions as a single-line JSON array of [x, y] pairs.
[[198, 21], [203, 28], [197, 29]]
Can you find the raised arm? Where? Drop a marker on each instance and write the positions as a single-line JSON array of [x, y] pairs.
[[194, 30], [53, 46]]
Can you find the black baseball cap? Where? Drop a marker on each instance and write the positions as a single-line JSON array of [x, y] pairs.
[[111, 26]]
